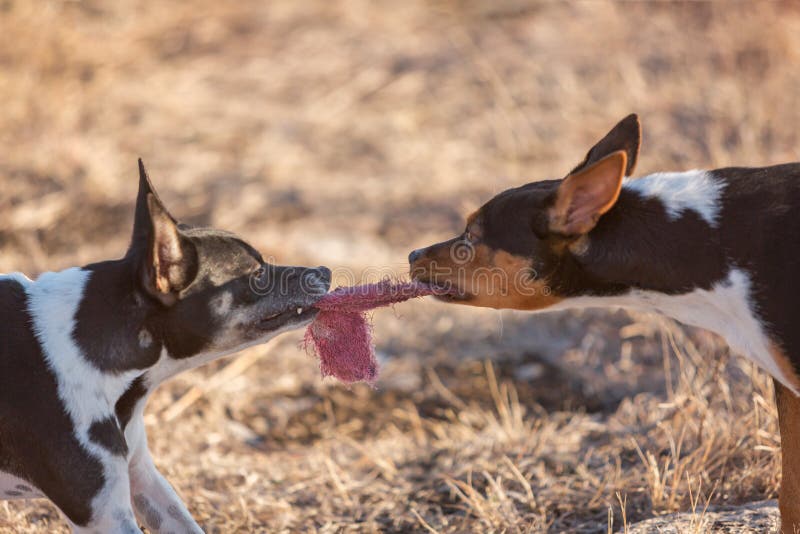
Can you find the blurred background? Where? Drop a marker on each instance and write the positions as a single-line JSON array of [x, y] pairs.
[[347, 133]]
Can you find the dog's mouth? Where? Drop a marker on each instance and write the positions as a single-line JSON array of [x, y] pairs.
[[452, 297], [445, 291], [292, 315]]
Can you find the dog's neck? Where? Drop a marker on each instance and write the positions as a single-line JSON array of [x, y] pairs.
[[99, 326], [661, 236], [114, 325]]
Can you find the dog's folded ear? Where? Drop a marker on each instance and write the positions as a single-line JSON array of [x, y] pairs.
[[584, 196], [167, 260], [625, 136]]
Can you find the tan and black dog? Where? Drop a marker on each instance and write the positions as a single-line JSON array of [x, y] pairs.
[[712, 249]]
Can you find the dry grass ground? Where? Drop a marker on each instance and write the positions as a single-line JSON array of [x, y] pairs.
[[347, 133]]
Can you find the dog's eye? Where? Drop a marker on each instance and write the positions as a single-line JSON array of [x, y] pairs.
[[260, 272]]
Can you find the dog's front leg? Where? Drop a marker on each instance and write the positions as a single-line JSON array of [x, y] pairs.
[[111, 507], [789, 421], [155, 502]]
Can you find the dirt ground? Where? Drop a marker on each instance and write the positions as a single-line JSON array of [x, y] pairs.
[[347, 133]]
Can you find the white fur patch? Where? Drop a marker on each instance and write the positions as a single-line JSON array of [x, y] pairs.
[[13, 487], [221, 304], [726, 309], [145, 338], [698, 191]]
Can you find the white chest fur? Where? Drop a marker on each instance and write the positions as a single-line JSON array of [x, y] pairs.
[[726, 309]]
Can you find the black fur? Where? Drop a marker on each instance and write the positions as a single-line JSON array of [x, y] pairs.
[[107, 434], [108, 324], [683, 254], [127, 402]]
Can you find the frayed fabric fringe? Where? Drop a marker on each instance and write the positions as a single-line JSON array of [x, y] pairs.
[[341, 333]]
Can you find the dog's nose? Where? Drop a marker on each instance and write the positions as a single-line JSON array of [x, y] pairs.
[[414, 256], [317, 280], [324, 274]]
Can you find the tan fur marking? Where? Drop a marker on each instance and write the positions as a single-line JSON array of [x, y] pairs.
[[473, 225], [785, 365], [580, 246], [490, 278]]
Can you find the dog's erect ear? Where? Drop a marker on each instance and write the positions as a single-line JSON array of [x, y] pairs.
[[167, 259], [171, 258], [625, 136], [584, 196], [141, 220]]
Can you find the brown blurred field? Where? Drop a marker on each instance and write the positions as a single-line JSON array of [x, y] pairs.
[[348, 133]]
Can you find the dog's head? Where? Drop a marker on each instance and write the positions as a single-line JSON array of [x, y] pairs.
[[513, 250], [207, 290]]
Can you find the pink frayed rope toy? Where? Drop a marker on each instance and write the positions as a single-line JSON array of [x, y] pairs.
[[341, 333]]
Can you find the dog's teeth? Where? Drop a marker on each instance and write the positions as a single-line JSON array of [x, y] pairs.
[[299, 311]]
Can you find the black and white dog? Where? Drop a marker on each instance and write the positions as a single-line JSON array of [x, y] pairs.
[[83, 348]]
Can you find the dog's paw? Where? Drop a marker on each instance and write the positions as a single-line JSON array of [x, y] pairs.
[[164, 517]]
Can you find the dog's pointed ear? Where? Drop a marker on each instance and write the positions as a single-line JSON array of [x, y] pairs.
[[167, 259], [141, 218], [625, 136], [584, 196]]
